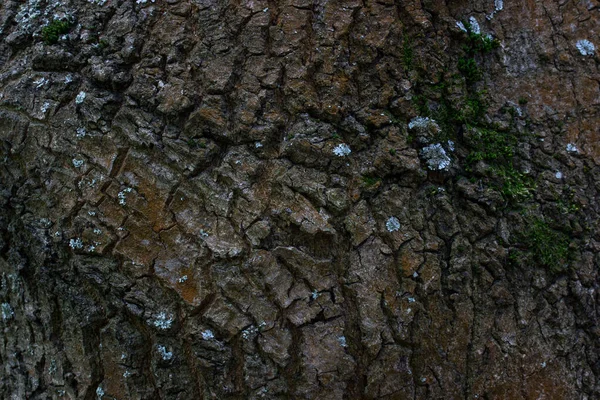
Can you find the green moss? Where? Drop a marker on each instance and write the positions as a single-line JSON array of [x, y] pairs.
[[497, 149], [195, 144], [477, 43], [370, 180], [547, 247], [469, 69], [515, 186], [103, 44], [491, 146], [460, 111], [56, 28], [421, 103], [474, 44]]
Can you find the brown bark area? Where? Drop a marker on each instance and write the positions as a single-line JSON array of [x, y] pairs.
[[180, 218]]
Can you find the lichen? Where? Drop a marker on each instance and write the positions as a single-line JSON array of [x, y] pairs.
[[571, 148], [80, 97], [392, 224], [585, 47], [207, 335], [7, 311], [342, 150], [162, 350], [475, 28], [163, 321], [40, 82], [249, 332], [421, 123], [76, 243], [435, 156], [122, 195]]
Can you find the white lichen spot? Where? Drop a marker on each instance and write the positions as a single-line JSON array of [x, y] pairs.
[[342, 341], [451, 145], [249, 332], [76, 243], [80, 97], [45, 107], [97, 231], [314, 294], [435, 157], [7, 311], [162, 350], [77, 163], [122, 196], [342, 150], [81, 132], [183, 279], [392, 224], [585, 47], [126, 374], [461, 26], [203, 233], [90, 248], [421, 123], [207, 335], [543, 365], [411, 300], [475, 28], [28, 13], [558, 175], [68, 79], [163, 321], [415, 274], [99, 392], [499, 5], [40, 82], [52, 368], [571, 148]]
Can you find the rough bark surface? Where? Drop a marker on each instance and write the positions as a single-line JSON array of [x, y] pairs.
[[213, 199]]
